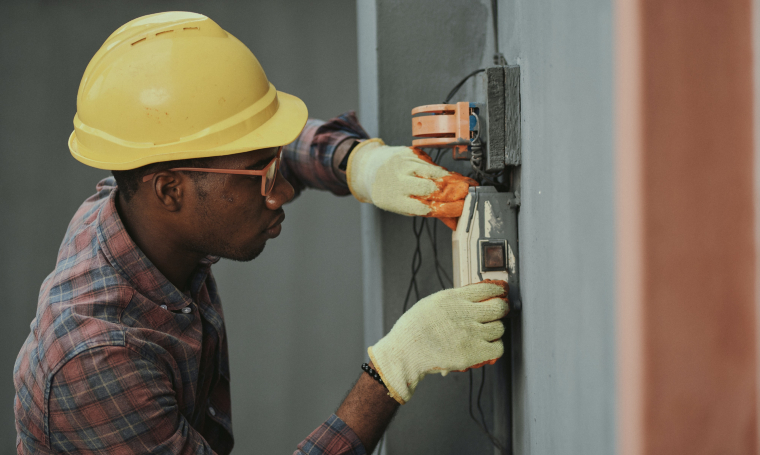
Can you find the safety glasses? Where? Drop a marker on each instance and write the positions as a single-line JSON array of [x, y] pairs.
[[268, 174]]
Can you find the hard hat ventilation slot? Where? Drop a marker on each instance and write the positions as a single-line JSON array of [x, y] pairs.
[[139, 41], [165, 31], [191, 28]]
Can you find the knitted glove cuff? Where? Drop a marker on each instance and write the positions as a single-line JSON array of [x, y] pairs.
[[386, 380], [361, 185]]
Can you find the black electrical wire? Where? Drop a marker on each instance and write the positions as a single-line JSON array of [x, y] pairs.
[[498, 58], [460, 84], [438, 156], [416, 263], [417, 255], [482, 423], [480, 394], [495, 18], [469, 408]]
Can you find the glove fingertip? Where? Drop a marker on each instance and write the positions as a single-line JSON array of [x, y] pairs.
[[499, 306], [423, 156], [478, 292], [496, 349], [420, 186], [472, 182], [501, 283], [445, 209], [482, 364], [450, 222]]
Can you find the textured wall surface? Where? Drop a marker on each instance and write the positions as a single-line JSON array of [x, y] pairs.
[[296, 308], [565, 365], [565, 388]]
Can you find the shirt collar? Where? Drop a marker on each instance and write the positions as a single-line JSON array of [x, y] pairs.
[[127, 258]]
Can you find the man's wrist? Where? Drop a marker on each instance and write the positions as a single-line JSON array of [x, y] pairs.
[[367, 410], [384, 388], [340, 157]]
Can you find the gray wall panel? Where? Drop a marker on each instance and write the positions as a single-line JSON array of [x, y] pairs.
[[566, 389], [565, 379]]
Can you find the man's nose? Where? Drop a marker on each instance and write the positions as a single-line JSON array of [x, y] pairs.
[[281, 194]]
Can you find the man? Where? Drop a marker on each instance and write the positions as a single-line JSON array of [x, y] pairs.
[[128, 351]]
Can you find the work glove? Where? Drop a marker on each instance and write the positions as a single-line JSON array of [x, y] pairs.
[[451, 330], [406, 181]]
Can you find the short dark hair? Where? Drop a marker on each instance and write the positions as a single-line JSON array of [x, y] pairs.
[[128, 181]]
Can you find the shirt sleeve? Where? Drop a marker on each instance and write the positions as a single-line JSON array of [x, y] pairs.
[[308, 161], [110, 400], [333, 437]]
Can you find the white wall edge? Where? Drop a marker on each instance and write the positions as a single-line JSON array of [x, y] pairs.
[[366, 27], [369, 113]]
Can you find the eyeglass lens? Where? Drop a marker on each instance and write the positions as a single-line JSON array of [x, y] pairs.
[[271, 176]]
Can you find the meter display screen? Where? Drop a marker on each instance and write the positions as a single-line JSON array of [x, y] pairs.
[[493, 256]]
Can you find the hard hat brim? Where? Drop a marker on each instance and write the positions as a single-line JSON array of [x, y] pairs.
[[281, 129]]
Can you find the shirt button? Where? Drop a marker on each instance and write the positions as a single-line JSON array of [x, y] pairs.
[[212, 411], [187, 310], [164, 306]]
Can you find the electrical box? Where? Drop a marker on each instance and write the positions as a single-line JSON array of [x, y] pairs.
[[503, 118], [487, 132], [484, 245]]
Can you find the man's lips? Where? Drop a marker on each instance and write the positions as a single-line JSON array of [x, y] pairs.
[[277, 221]]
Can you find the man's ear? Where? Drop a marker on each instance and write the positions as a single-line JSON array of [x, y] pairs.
[[169, 188]]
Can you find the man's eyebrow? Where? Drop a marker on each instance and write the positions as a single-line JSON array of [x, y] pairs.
[[260, 163]]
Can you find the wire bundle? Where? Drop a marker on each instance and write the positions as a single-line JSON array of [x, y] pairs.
[[445, 282]]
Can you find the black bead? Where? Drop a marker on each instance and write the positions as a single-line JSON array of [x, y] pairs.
[[374, 374]]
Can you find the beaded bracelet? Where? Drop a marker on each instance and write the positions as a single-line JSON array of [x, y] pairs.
[[374, 374]]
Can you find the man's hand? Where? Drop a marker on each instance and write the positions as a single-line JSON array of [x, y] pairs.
[[454, 329], [406, 181]]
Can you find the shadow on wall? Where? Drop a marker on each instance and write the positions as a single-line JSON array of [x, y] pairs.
[[297, 307]]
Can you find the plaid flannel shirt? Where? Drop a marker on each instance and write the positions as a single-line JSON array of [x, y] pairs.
[[121, 361], [307, 162]]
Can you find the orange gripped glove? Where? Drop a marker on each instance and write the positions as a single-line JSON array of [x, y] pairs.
[[406, 181], [447, 202]]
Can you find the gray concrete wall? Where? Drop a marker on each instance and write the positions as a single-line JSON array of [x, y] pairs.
[[564, 386], [296, 308]]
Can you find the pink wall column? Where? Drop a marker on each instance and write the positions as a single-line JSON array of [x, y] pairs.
[[686, 247]]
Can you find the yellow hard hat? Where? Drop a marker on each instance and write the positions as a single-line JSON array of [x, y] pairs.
[[172, 86]]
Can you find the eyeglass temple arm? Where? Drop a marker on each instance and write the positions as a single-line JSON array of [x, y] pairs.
[[212, 171], [262, 172]]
